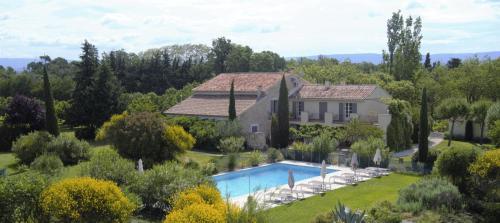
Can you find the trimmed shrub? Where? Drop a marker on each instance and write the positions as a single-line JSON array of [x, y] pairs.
[[385, 212], [156, 186], [19, 197], [69, 149], [274, 155], [86, 200], [430, 194], [231, 144], [487, 165], [199, 212], [47, 164], [145, 136], [30, 146], [255, 158], [107, 164], [454, 162], [432, 156], [204, 131]]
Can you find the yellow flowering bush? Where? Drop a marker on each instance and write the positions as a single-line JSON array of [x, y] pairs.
[[103, 132], [178, 137], [200, 204], [487, 164], [197, 213], [86, 200]]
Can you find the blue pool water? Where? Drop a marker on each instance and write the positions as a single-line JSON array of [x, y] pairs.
[[237, 183]]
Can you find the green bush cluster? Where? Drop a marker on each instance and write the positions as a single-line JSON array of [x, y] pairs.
[[274, 155], [366, 149], [47, 164], [20, 197], [107, 164], [205, 131], [70, 150], [430, 194]]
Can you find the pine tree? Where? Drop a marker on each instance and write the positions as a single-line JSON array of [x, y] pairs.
[[423, 141], [81, 111], [50, 114], [232, 103], [427, 63], [283, 118], [105, 94]]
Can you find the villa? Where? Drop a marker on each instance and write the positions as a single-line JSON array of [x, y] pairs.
[[256, 97]]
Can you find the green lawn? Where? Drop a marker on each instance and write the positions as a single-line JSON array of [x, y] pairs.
[[9, 161], [361, 196], [200, 157]]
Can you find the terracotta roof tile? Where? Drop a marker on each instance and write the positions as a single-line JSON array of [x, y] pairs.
[[243, 82], [205, 105], [340, 92]]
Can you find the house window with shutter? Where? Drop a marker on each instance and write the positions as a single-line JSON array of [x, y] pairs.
[[350, 108], [274, 106]]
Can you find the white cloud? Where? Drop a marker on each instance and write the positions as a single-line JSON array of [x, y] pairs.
[[289, 27]]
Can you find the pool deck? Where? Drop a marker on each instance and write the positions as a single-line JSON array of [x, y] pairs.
[[261, 195]]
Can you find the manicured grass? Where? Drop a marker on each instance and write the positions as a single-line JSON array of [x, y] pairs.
[[9, 161], [200, 157], [361, 196], [444, 144]]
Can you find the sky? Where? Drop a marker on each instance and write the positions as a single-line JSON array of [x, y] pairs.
[[29, 28]]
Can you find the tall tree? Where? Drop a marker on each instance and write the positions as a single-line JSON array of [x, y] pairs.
[[105, 94], [50, 113], [238, 59], [232, 103], [479, 111], [400, 128], [452, 109], [403, 42], [81, 111], [283, 116], [221, 47], [423, 133], [427, 63], [394, 28]]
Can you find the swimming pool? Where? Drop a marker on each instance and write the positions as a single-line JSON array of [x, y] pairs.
[[237, 183]]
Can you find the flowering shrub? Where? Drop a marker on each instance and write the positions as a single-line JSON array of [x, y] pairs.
[[200, 204], [179, 138], [86, 200], [487, 164]]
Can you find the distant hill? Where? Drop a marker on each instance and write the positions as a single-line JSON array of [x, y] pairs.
[[377, 58], [19, 64]]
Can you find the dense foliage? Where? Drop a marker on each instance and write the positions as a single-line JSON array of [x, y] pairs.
[[400, 129], [430, 194], [20, 197], [146, 136], [107, 164], [158, 184], [50, 113], [32, 145], [365, 149], [454, 163], [86, 200], [47, 164]]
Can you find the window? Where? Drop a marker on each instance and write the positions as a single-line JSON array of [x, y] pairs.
[[274, 106], [294, 82], [348, 109], [254, 128]]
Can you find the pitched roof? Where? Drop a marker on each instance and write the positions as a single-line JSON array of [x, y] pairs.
[[243, 82], [207, 105], [340, 92]]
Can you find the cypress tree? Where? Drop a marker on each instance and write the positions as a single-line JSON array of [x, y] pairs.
[[423, 141], [50, 114], [283, 111], [232, 103], [274, 132], [427, 63]]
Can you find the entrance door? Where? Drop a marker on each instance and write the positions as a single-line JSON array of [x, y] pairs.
[[322, 110]]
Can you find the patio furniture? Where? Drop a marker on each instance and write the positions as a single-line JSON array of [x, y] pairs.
[[316, 186]]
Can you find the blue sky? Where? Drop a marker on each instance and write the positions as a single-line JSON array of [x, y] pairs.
[[29, 28]]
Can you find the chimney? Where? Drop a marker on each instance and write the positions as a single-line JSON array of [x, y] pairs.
[[260, 93], [327, 85]]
